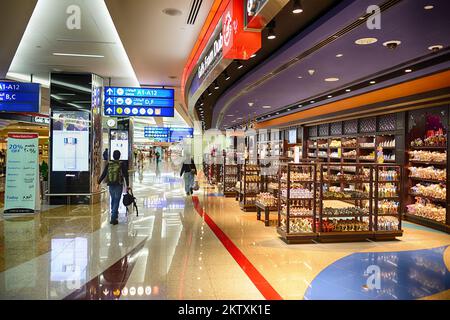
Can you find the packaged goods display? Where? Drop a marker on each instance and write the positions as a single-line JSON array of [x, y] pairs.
[[298, 193], [323, 145], [427, 210], [272, 185], [297, 225], [387, 144], [389, 157], [344, 225], [437, 191], [367, 145], [349, 154], [434, 138], [430, 172], [352, 143], [428, 156], [266, 199], [296, 211], [345, 195], [388, 175], [252, 178], [335, 144], [387, 190], [387, 223], [322, 154], [350, 211], [388, 207], [297, 176], [370, 156]]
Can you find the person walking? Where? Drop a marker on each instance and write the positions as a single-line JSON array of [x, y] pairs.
[[188, 172], [116, 172]]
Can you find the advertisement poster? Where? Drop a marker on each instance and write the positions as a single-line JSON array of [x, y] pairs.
[[22, 173], [119, 141], [70, 141]]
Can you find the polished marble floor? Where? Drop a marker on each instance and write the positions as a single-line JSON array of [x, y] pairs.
[[204, 247]]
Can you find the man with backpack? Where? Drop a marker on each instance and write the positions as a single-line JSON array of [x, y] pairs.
[[115, 171]]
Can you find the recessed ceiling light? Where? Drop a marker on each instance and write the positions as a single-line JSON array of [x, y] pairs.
[[253, 55], [436, 47], [312, 101], [428, 7], [299, 106], [330, 96], [271, 31], [339, 55], [392, 44], [172, 12], [372, 82], [365, 41], [408, 70], [266, 107], [216, 85], [202, 104], [209, 92], [361, 18], [299, 77], [331, 79], [239, 118], [348, 90], [289, 109], [78, 55], [240, 65], [297, 7]]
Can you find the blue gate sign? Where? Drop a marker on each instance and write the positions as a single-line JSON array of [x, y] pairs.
[[19, 97], [126, 101]]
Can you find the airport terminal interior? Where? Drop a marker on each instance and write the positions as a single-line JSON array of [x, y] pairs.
[[224, 150]]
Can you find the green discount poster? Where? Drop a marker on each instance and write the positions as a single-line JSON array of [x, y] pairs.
[[22, 173]]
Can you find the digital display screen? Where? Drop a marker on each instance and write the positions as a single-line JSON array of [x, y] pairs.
[[178, 134], [292, 136], [119, 141], [70, 148]]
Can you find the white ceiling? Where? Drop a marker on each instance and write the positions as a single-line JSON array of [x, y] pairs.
[[157, 44], [47, 33]]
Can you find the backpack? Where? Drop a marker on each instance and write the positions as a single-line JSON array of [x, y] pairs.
[[129, 199], [115, 172]]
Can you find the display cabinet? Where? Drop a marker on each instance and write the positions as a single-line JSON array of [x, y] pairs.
[[426, 182], [230, 177], [250, 182], [297, 202]]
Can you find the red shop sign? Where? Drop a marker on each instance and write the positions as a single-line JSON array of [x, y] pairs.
[[238, 43]]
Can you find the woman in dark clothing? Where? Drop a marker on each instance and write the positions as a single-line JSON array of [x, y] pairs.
[[188, 171]]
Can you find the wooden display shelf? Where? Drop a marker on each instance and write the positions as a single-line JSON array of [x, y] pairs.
[[367, 148], [290, 198], [249, 207], [345, 236], [298, 181], [354, 148], [345, 180], [387, 235], [429, 148], [427, 222], [428, 197], [388, 148], [427, 180], [346, 215], [345, 199], [428, 163], [292, 238], [229, 194], [388, 198]]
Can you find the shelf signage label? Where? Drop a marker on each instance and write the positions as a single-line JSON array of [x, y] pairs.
[[129, 101], [19, 97], [22, 173]]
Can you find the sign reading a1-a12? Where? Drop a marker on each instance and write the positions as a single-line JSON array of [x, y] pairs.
[[19, 97], [125, 101]]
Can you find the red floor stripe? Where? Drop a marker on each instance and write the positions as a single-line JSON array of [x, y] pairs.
[[255, 276]]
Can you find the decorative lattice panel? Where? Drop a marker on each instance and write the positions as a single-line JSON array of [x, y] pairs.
[[312, 131], [324, 130], [351, 126], [368, 125], [387, 122], [336, 128]]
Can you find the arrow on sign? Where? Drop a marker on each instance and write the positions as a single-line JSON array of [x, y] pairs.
[[109, 91], [109, 110], [109, 100]]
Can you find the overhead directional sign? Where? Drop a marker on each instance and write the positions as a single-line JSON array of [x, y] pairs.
[[19, 97], [156, 133], [124, 101]]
